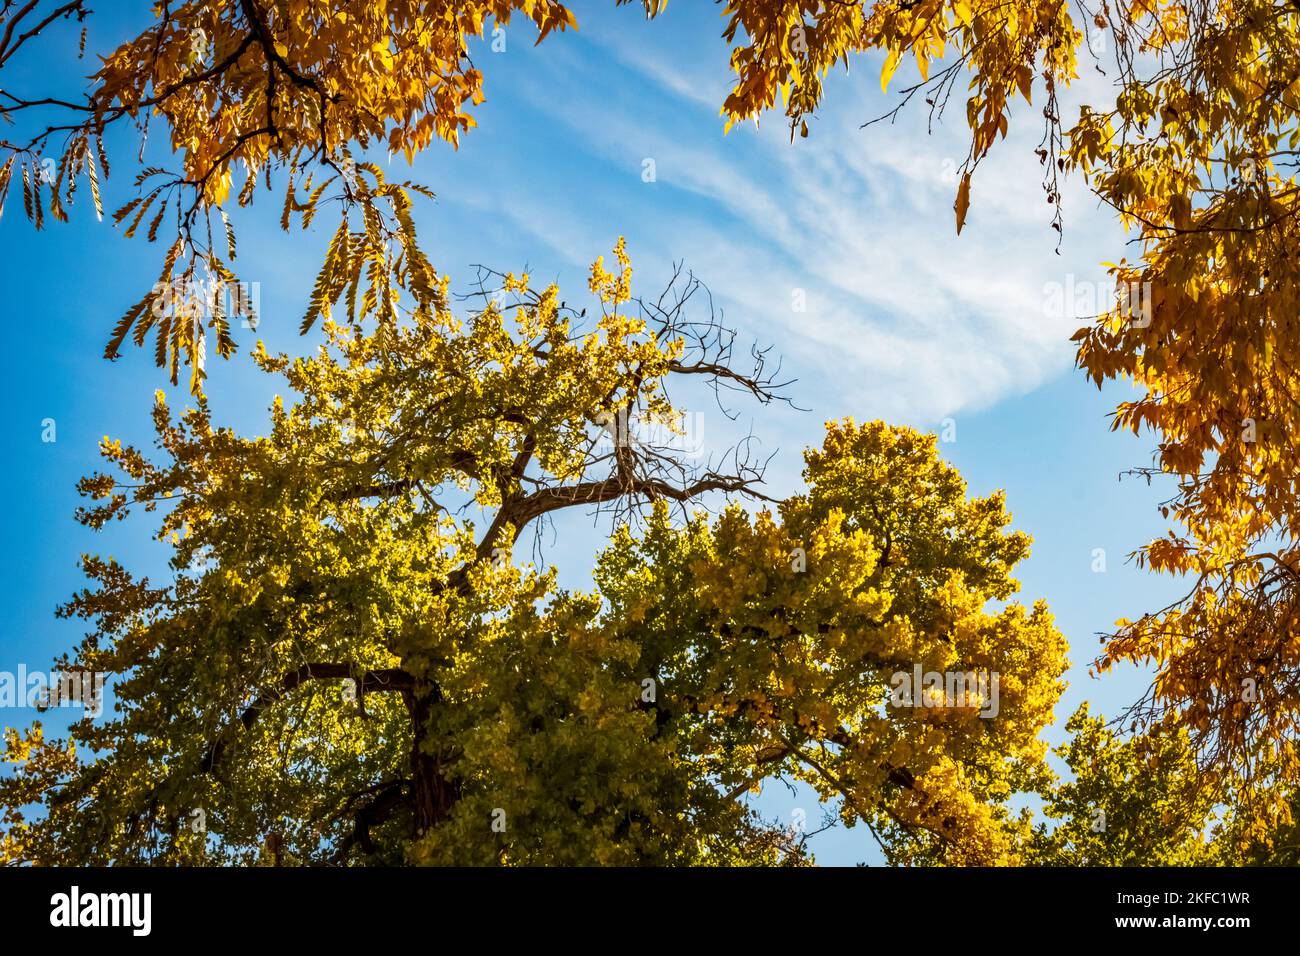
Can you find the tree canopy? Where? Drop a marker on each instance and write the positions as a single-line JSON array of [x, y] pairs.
[[245, 88], [339, 549], [1196, 155], [369, 540]]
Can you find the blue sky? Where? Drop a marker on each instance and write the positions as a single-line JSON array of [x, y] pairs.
[[904, 320]]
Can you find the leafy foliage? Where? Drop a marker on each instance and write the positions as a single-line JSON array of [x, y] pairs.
[[322, 552], [370, 537], [246, 87], [1196, 155], [1133, 801]]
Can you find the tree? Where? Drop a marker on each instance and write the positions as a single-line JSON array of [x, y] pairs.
[[1135, 801], [1194, 154], [1245, 842], [1197, 156], [248, 87], [350, 664]]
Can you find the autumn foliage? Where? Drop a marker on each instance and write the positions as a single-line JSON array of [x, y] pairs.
[[623, 724], [352, 664]]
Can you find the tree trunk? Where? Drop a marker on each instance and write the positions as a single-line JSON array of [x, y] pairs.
[[432, 792]]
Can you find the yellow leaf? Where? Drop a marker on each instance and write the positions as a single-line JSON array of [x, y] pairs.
[[891, 64], [1024, 80], [963, 201]]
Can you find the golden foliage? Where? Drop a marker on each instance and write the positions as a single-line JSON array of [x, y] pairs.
[[370, 537]]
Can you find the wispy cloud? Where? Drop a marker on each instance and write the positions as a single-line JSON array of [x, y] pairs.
[[901, 318]]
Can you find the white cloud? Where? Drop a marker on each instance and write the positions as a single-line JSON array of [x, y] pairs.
[[905, 320]]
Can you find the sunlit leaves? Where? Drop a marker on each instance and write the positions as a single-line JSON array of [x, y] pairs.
[[371, 536], [1195, 153], [787, 47], [1195, 159], [1135, 801], [248, 88], [789, 667]]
